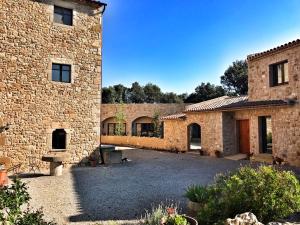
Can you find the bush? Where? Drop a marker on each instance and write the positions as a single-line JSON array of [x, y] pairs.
[[164, 215], [265, 191], [198, 193], [11, 200]]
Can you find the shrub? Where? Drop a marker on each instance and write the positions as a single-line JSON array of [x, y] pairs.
[[198, 193], [164, 215], [11, 200], [265, 191]]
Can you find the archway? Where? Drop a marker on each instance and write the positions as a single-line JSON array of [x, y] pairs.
[[143, 127], [194, 136], [109, 127]]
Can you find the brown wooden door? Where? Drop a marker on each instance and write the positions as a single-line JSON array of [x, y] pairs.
[[244, 138]]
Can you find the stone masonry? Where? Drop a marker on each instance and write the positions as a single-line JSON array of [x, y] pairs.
[[33, 104], [135, 111]]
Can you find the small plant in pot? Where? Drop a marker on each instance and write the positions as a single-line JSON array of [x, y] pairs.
[[197, 197], [92, 161], [167, 215], [218, 153]]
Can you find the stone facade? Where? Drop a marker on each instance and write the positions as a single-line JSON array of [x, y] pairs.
[[31, 102], [259, 82], [134, 112]]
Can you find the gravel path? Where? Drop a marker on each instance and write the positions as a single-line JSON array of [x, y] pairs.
[[122, 192]]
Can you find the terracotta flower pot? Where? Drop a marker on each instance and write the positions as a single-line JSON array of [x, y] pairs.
[[191, 220], [3, 178], [194, 206]]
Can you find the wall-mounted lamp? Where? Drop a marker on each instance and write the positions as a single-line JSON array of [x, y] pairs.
[[102, 7]]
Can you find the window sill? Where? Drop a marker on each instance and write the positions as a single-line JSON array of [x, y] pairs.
[[63, 25], [58, 150], [279, 85], [61, 83]]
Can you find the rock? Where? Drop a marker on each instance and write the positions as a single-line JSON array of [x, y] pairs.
[[244, 219]]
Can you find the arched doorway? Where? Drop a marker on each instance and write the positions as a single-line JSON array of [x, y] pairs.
[[109, 127], [194, 136]]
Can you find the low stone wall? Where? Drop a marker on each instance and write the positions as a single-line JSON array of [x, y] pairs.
[[139, 142]]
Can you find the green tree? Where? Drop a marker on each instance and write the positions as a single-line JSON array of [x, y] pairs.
[[120, 120], [156, 124], [205, 92], [235, 78], [136, 93], [153, 93], [170, 97], [108, 95]]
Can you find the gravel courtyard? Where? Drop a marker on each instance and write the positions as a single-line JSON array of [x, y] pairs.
[[88, 195]]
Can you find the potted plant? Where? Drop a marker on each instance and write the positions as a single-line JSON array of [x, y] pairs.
[[218, 153], [3, 176], [197, 197], [92, 161], [168, 215]]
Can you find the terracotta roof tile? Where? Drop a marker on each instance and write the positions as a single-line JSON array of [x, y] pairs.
[[174, 116], [95, 2], [215, 103], [270, 51], [256, 104]]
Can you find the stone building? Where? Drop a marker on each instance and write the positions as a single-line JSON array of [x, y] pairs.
[[50, 78], [265, 122]]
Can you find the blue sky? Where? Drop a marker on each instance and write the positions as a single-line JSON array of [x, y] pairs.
[[177, 44]]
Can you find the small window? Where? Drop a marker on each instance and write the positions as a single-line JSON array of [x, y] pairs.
[[59, 137], [63, 15], [279, 74], [61, 73]]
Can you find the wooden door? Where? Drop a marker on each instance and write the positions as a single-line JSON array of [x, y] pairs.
[[244, 137]]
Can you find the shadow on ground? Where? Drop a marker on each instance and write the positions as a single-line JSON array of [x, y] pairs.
[[125, 191]]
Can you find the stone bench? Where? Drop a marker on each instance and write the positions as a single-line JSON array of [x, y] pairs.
[[56, 164]]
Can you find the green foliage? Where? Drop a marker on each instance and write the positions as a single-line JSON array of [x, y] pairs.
[[235, 78], [164, 215], [120, 121], [265, 191], [205, 92], [269, 137], [150, 93], [176, 220], [12, 199], [157, 125], [198, 193]]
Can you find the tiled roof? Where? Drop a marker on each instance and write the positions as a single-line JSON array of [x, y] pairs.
[[256, 104], [174, 116], [95, 2], [278, 48], [215, 103]]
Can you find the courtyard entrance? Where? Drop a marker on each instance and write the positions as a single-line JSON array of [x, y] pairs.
[[194, 136]]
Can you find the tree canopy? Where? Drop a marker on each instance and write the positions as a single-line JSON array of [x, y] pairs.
[[235, 78], [234, 82]]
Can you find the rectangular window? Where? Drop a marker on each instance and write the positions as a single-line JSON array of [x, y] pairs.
[[63, 15], [279, 73], [61, 73]]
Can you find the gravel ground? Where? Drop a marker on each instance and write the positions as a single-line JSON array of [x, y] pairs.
[[90, 195]]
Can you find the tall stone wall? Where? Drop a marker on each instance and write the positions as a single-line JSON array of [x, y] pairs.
[[32, 103], [135, 111], [258, 80]]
